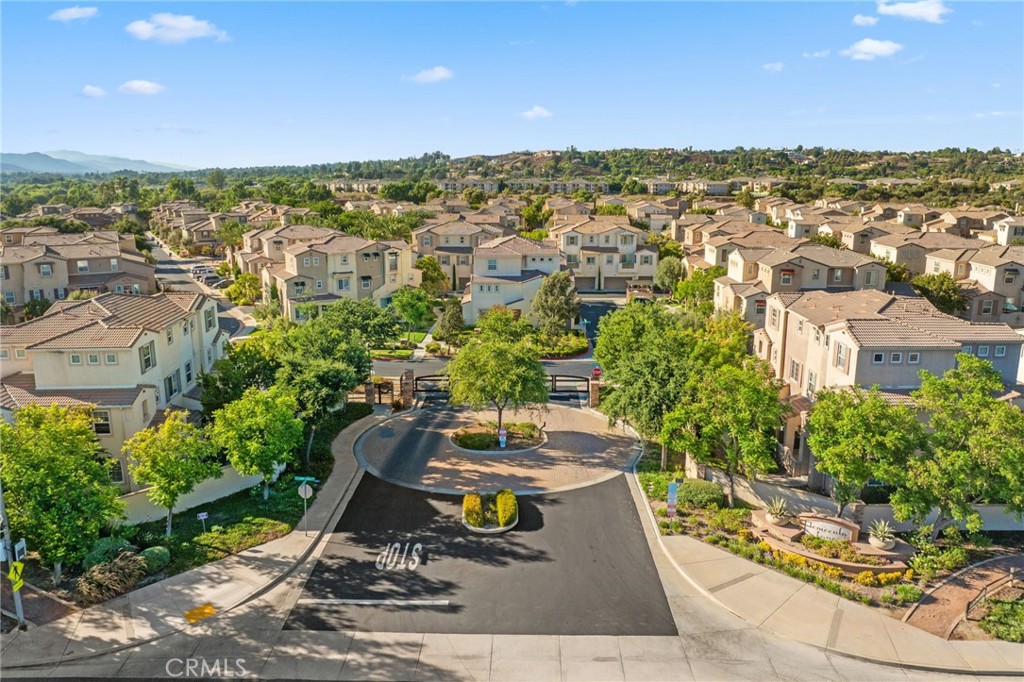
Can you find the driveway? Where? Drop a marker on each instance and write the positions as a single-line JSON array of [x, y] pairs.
[[576, 564]]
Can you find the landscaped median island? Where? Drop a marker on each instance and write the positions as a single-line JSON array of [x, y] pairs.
[[483, 436], [487, 513]]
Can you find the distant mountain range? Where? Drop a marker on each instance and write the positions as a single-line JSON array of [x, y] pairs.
[[77, 163]]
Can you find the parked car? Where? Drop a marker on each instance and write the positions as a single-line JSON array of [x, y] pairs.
[[221, 284], [209, 279]]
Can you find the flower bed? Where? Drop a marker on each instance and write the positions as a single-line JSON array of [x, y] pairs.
[[839, 549], [483, 436], [487, 513]]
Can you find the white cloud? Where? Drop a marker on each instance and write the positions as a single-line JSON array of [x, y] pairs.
[[931, 11], [995, 114], [174, 28], [820, 54], [997, 85], [864, 20], [869, 49], [772, 67], [434, 75], [74, 13], [93, 91], [535, 113], [141, 88]]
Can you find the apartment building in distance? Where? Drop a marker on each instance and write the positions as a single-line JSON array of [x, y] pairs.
[[606, 253], [819, 339], [337, 267], [451, 241], [48, 265], [508, 272], [127, 357]]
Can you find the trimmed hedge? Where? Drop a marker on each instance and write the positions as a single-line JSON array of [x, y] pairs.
[[476, 441], [508, 507], [694, 492], [156, 558], [104, 550], [473, 509]]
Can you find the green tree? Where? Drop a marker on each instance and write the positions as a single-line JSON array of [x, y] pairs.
[[378, 326], [36, 307], [245, 290], [974, 450], [56, 483], [668, 274], [827, 239], [534, 215], [217, 179], [451, 323], [666, 246], [230, 233], [172, 458], [259, 432], [621, 334], [498, 373], [610, 209], [895, 272], [433, 280], [745, 199], [413, 306], [503, 324], [247, 364], [697, 291], [856, 436], [942, 291], [556, 304], [319, 385], [733, 415]]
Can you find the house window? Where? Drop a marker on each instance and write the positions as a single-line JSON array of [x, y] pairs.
[[101, 422], [1000, 351], [210, 318], [444, 260], [877, 358], [305, 261], [794, 370], [20, 353], [800, 327], [463, 260], [61, 293], [986, 307], [4, 272], [147, 356], [319, 284], [316, 260], [787, 279], [591, 260], [75, 359], [427, 241], [170, 335], [572, 240], [609, 260], [817, 336], [645, 260], [812, 383], [1008, 277], [982, 351], [935, 267], [366, 282], [343, 284], [837, 276], [172, 384], [913, 358], [775, 318], [759, 307], [83, 266], [871, 277], [840, 355], [895, 358], [816, 273], [344, 260], [3, 354], [113, 265], [111, 358], [188, 373], [45, 270], [492, 264], [93, 358], [969, 350], [9, 297], [136, 289]]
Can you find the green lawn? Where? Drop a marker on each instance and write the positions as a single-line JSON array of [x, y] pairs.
[[396, 354], [415, 337]]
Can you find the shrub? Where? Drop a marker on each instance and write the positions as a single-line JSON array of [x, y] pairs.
[[882, 530], [839, 549], [476, 441], [434, 348], [908, 593], [866, 578], [156, 559], [104, 550], [886, 579], [745, 535], [953, 558], [778, 507], [508, 507], [887, 598], [108, 579], [1005, 620], [909, 575], [473, 510], [693, 492], [396, 405], [729, 520]]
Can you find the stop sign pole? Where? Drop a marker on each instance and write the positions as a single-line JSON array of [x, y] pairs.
[[305, 492]]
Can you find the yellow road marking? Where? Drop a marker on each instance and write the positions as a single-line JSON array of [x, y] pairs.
[[198, 613]]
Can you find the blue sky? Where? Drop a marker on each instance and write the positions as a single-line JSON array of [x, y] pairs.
[[262, 83]]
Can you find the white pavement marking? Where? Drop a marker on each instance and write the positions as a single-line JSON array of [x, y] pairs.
[[378, 602]]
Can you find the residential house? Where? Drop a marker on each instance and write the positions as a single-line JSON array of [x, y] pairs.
[[508, 272], [263, 247], [452, 242], [1008, 231], [702, 186], [606, 255], [911, 249]]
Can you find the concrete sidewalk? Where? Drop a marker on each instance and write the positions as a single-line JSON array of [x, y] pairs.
[[793, 609], [156, 610]]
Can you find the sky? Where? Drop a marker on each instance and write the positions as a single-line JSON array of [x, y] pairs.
[[274, 83]]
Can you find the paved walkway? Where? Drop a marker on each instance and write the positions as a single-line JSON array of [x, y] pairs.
[[943, 607], [415, 450]]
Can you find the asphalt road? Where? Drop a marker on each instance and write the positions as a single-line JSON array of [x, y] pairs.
[[174, 273], [576, 564]]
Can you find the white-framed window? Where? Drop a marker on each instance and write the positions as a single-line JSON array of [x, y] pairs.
[[1000, 351], [61, 293], [571, 240], [3, 354], [319, 284], [982, 351], [444, 260], [837, 276], [305, 261], [5, 272], [113, 265], [775, 318], [188, 373], [816, 273], [913, 358], [119, 288], [83, 266], [968, 349], [877, 358], [427, 240], [591, 260], [366, 283], [93, 358], [136, 289], [986, 307], [101, 422], [645, 260], [75, 358], [895, 358], [794, 370], [936, 267], [111, 358], [610, 260], [759, 307], [147, 356], [316, 260], [170, 335], [19, 353], [492, 264], [817, 336], [870, 277], [786, 279], [1008, 277], [210, 318], [799, 326], [45, 270], [172, 384], [344, 260], [840, 355], [343, 284], [812, 382]]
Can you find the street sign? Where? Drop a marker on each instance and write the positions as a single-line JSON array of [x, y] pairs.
[[502, 436], [20, 549], [673, 492], [202, 516], [305, 491], [15, 575], [306, 479], [672, 509]]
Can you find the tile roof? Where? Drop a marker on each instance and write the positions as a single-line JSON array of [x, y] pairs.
[[999, 255], [19, 389], [514, 245]]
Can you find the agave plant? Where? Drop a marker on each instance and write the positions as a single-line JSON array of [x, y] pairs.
[[882, 530], [778, 507]]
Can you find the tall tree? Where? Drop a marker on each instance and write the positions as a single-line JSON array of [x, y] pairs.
[[259, 432], [974, 450], [245, 290], [433, 279], [247, 364], [172, 459], [56, 483], [942, 291], [413, 306], [451, 323], [217, 179], [378, 326], [668, 274], [503, 324], [624, 332], [856, 436], [556, 304], [498, 373], [230, 233], [36, 307], [733, 417], [697, 291]]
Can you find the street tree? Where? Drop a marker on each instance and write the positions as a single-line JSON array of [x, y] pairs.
[[245, 290], [856, 435], [974, 450], [251, 363], [556, 304], [57, 485], [378, 326], [732, 418], [259, 432], [503, 324], [499, 374], [624, 332], [942, 291], [433, 280], [451, 323], [319, 385], [668, 274], [697, 291], [413, 306], [172, 459]]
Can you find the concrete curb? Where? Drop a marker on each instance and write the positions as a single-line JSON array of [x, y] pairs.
[[255, 594], [701, 589]]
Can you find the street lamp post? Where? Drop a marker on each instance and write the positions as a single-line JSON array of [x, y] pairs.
[[5, 525]]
